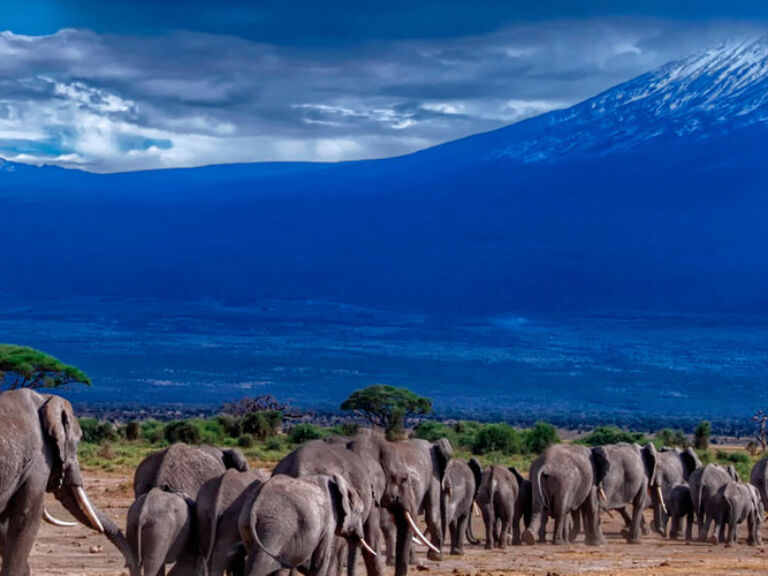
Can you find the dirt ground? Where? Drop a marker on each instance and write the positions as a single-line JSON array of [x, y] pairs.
[[80, 552]]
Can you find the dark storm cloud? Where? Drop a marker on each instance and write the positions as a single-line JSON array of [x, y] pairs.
[[125, 101]]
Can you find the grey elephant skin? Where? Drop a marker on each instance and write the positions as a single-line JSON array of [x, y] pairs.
[[167, 482], [564, 480], [458, 494], [673, 467], [680, 506], [734, 504], [759, 479], [320, 457], [705, 483], [632, 470], [496, 498], [218, 506], [292, 523], [39, 438]]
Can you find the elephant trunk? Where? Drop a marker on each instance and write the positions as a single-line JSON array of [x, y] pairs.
[[74, 499]]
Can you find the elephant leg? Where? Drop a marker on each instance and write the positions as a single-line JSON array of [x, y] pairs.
[[689, 527], [457, 544], [388, 534], [516, 527], [258, 563], [24, 512], [637, 518], [575, 530], [559, 538], [489, 520], [625, 516], [504, 534], [591, 513], [674, 525], [372, 532], [434, 523], [543, 527]]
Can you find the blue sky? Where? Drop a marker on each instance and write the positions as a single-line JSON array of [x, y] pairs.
[[126, 85]]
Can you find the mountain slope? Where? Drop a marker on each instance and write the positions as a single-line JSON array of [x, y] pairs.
[[650, 196]]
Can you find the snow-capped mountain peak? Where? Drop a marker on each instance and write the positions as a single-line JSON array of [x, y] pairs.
[[699, 96]]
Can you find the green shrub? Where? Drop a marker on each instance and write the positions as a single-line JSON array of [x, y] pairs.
[[465, 434], [132, 431], [671, 438], [500, 438], [603, 435], [431, 431], [183, 431], [246, 441], [96, 432], [702, 435], [232, 426], [262, 425], [345, 429], [274, 444], [538, 438], [304, 432]]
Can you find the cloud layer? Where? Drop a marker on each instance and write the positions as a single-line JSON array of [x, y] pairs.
[[120, 102]]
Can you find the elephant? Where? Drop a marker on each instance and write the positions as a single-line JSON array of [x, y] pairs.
[[736, 503], [334, 457], [181, 468], [679, 506], [567, 478], [496, 498], [705, 483], [415, 470], [673, 467], [176, 473], [292, 523], [217, 509], [39, 438], [458, 496], [232, 458], [161, 530], [523, 509], [632, 470], [759, 479]]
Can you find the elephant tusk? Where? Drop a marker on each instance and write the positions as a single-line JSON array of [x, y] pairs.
[[601, 494], [661, 499], [55, 521], [367, 547], [87, 508], [420, 534], [608, 511], [416, 541], [476, 509]]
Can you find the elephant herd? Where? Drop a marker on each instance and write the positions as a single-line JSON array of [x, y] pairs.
[[202, 511]]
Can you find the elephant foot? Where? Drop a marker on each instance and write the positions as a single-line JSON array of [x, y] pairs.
[[457, 552], [390, 562], [728, 544], [529, 538], [434, 556], [645, 531], [559, 541], [488, 546], [516, 541], [713, 539], [633, 540], [595, 541]]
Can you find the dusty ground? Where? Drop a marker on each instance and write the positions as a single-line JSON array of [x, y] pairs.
[[78, 551]]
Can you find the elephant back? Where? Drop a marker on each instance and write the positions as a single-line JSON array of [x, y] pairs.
[[178, 468]]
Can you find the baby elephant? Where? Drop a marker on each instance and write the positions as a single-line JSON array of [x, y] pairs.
[[292, 524], [740, 502], [161, 531], [680, 506]]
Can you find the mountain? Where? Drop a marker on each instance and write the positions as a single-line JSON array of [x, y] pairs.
[[649, 196]]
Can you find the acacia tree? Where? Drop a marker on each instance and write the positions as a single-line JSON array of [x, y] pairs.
[[387, 406], [24, 367]]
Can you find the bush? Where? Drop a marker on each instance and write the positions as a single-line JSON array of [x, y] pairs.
[[498, 438], [304, 432], [132, 431], [603, 435], [96, 432], [274, 444], [345, 429], [538, 438], [262, 425], [232, 426], [701, 435], [432, 431], [671, 438], [182, 431], [740, 460], [246, 441]]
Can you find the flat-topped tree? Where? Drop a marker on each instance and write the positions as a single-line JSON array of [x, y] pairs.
[[25, 367], [387, 406]]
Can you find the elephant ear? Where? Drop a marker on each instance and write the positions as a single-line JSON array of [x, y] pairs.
[[517, 475], [443, 454], [234, 459], [650, 458], [690, 461], [343, 501], [600, 464], [733, 473], [477, 472], [61, 426]]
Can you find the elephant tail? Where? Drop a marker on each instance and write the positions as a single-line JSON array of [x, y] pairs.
[[257, 541], [445, 493], [700, 504], [139, 527], [536, 484], [214, 520]]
